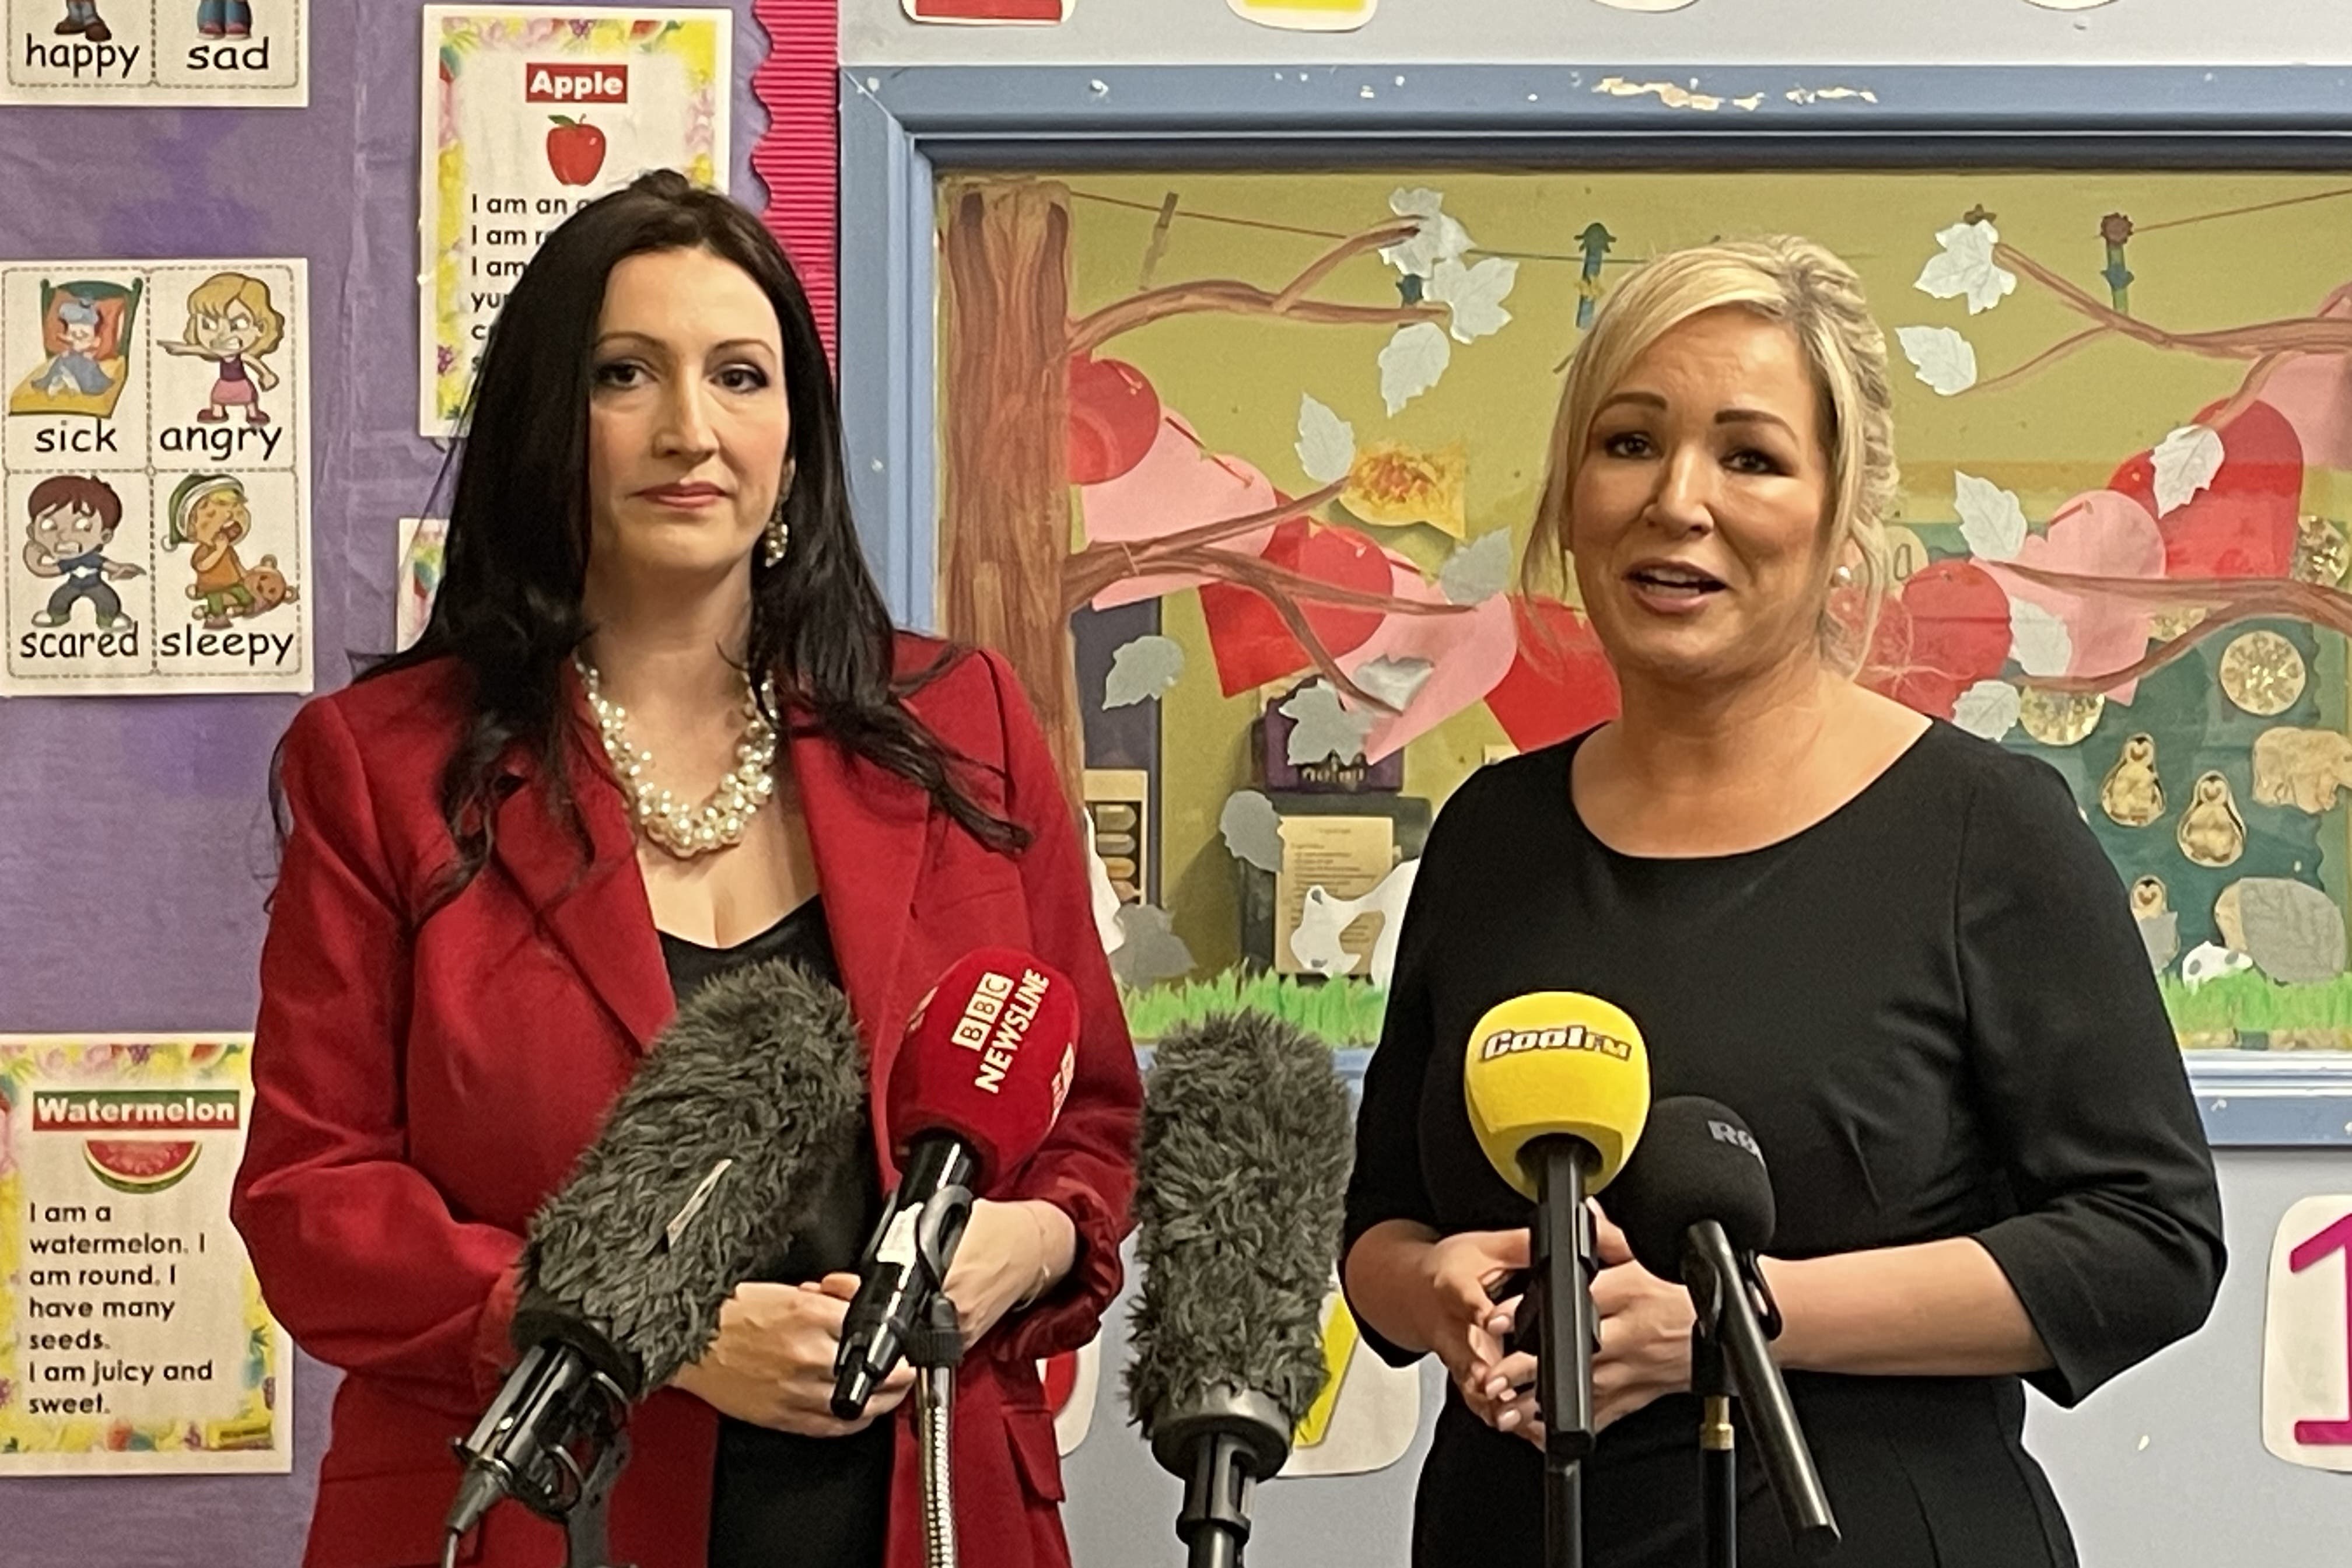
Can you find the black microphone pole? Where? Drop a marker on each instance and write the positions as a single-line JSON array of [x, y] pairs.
[[1562, 1259], [1719, 1284]]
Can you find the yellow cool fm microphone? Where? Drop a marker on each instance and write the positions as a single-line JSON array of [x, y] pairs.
[[1557, 1086]]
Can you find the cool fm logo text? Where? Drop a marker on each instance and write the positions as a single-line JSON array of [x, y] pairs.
[[995, 1020], [1559, 1038]]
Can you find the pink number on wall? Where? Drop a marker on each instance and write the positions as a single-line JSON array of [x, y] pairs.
[[2335, 1238]]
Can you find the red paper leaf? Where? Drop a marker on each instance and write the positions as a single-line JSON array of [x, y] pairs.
[[1948, 630], [2243, 523], [1246, 634], [1551, 692]]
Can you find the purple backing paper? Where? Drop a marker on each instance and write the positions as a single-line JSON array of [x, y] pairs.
[[134, 840]]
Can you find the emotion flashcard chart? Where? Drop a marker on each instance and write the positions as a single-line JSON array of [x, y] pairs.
[[154, 465], [529, 114], [196, 53]]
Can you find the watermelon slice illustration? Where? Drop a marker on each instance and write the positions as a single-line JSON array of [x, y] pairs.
[[140, 1165]]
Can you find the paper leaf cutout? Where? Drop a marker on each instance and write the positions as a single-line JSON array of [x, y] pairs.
[[1252, 829], [1990, 520], [1142, 669], [1327, 442], [1475, 295], [1392, 679], [2185, 462], [1152, 953], [1987, 709], [1966, 267], [1321, 727], [1412, 362], [1940, 356], [2038, 640], [1479, 571], [1439, 238]]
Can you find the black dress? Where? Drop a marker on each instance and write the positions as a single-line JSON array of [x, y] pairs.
[[817, 1502], [1933, 1009]]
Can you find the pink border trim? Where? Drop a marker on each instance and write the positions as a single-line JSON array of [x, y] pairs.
[[798, 156]]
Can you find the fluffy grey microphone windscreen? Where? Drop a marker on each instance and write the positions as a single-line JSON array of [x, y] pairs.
[[1241, 1176], [713, 1156]]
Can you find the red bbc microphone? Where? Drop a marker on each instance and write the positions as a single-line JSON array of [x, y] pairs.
[[980, 1075]]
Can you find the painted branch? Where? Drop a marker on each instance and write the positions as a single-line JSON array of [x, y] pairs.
[[2307, 334], [1208, 558], [1092, 331], [1098, 566]]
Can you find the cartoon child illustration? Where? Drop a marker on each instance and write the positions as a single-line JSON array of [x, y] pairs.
[[230, 317], [73, 520], [75, 367], [209, 511], [81, 16], [224, 18]]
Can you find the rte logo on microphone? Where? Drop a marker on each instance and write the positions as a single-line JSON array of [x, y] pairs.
[[1738, 1137], [1562, 1038]]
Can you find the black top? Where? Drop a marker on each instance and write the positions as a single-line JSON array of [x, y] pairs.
[[817, 1502], [1935, 1011]]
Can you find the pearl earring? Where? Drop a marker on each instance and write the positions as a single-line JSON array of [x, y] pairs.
[[778, 534], [1842, 576]]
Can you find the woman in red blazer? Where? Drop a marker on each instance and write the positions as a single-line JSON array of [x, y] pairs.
[[488, 905]]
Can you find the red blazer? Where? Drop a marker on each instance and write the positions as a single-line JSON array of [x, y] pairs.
[[421, 1085]]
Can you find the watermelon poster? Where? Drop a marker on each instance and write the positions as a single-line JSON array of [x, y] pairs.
[[529, 114], [133, 1338]]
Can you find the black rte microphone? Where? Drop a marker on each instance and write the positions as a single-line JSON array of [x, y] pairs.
[[1241, 1179], [715, 1153], [1695, 1204]]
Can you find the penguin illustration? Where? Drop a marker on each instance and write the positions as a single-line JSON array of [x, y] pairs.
[[2211, 833], [2160, 927], [2131, 794]]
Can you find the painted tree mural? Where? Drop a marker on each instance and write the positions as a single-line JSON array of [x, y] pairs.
[[1068, 483]]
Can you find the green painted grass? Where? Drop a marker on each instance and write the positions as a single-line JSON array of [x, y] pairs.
[[2251, 1004], [1345, 1013], [1340, 1012]]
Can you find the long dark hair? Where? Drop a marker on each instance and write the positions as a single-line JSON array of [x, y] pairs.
[[509, 607]]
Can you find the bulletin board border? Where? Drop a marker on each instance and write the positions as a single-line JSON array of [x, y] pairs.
[[902, 126]]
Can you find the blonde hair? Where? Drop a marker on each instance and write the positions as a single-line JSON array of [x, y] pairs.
[[1781, 278], [212, 300]]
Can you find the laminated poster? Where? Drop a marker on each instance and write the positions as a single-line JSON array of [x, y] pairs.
[[529, 113], [189, 54], [133, 1338], [155, 471]]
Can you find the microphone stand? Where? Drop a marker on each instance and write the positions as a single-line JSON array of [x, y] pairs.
[[1730, 1351], [935, 1349], [1562, 1268]]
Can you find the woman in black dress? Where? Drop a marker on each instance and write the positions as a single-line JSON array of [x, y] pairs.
[[1894, 948]]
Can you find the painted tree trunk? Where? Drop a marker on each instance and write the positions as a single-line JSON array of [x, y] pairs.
[[1005, 521]]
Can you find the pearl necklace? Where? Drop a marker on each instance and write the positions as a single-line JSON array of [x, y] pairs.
[[687, 831]]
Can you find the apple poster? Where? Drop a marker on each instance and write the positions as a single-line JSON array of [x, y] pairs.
[[529, 113], [133, 1338]]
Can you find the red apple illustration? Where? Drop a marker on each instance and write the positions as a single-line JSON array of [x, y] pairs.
[[575, 150], [1114, 418]]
